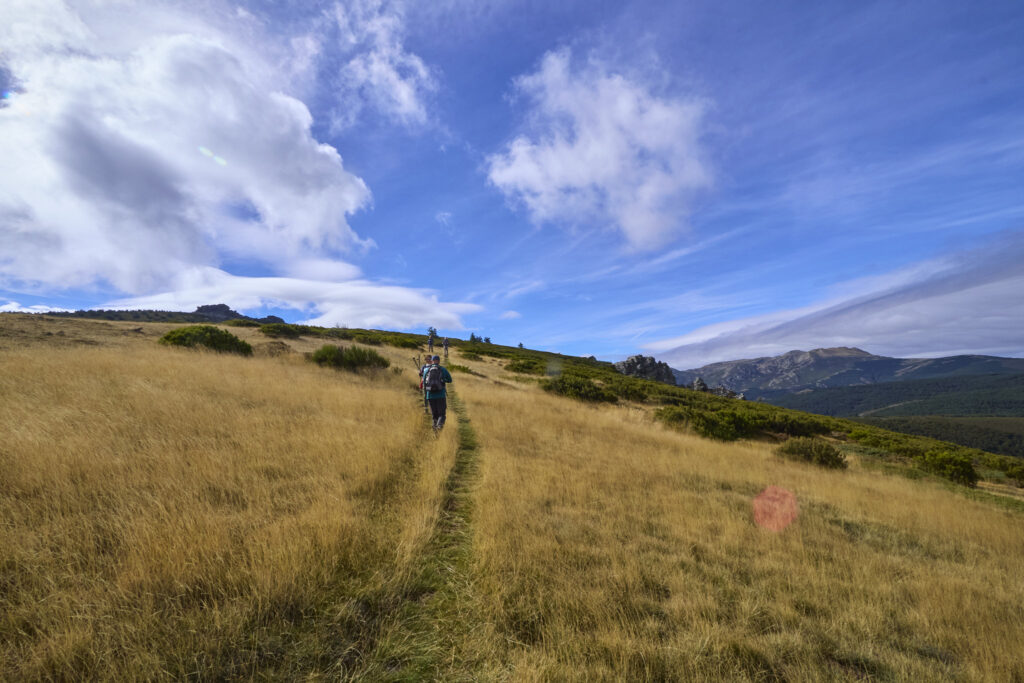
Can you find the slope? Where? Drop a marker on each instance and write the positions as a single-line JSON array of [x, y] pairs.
[[173, 514]]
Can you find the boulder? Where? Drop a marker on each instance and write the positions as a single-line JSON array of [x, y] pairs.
[[646, 367]]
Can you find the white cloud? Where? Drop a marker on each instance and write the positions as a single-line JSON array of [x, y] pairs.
[[155, 142], [511, 315], [357, 303], [969, 303], [378, 70], [604, 149], [520, 288], [15, 307], [151, 152], [443, 217]]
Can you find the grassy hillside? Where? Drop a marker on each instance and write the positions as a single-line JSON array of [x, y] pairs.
[[171, 514], [1003, 435], [983, 412], [984, 395]]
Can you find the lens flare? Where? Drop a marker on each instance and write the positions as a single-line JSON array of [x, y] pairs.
[[207, 153], [7, 94], [775, 509]]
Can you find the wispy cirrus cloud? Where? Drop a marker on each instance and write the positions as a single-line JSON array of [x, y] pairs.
[[602, 147], [961, 303], [377, 70]]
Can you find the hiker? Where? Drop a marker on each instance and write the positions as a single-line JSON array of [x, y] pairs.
[[430, 342], [434, 379], [445, 345], [423, 370]]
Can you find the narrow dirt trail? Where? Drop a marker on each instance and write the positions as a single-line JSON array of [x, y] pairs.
[[436, 631]]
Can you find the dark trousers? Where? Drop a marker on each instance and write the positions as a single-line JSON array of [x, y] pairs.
[[438, 408]]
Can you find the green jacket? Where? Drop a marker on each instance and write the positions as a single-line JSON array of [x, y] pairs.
[[445, 376]]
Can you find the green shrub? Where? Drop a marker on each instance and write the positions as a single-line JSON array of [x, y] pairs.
[[1016, 472], [401, 341], [723, 424], [470, 355], [240, 322], [281, 330], [350, 358], [527, 366], [814, 451], [580, 388], [956, 467], [207, 336]]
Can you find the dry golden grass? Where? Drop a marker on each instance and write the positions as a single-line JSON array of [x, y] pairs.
[[610, 548], [169, 513]]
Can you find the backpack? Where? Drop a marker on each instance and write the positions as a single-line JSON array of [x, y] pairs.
[[433, 380]]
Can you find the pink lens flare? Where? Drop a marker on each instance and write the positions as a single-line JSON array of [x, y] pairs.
[[775, 509]]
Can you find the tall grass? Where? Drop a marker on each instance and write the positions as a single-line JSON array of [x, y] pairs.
[[610, 548], [171, 514], [167, 514]]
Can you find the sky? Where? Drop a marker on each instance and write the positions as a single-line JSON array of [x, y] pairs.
[[694, 180]]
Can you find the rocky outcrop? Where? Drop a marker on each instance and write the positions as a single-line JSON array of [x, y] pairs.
[[700, 385], [218, 313], [646, 367]]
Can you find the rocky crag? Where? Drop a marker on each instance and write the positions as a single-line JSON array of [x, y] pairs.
[[646, 367]]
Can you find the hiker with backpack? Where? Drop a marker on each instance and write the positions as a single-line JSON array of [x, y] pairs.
[[434, 379], [445, 345], [423, 370]]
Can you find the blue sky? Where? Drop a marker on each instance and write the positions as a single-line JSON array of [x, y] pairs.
[[700, 181]]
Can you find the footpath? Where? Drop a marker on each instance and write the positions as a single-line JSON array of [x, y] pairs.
[[431, 631]]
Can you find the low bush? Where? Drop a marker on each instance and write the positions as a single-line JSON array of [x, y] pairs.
[[956, 467], [816, 451], [281, 330], [579, 388], [1016, 472], [470, 355], [526, 366], [351, 358], [207, 336], [240, 322]]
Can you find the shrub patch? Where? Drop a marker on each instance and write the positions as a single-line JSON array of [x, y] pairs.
[[206, 336], [351, 358], [814, 451]]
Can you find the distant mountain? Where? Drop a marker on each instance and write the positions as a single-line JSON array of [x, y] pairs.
[[211, 313], [978, 411], [838, 367], [966, 395]]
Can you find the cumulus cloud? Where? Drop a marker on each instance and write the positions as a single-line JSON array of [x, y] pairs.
[[144, 154], [377, 70], [969, 303], [603, 148], [148, 143], [511, 315], [357, 303]]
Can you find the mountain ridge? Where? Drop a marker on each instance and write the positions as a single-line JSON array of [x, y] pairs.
[[798, 370]]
